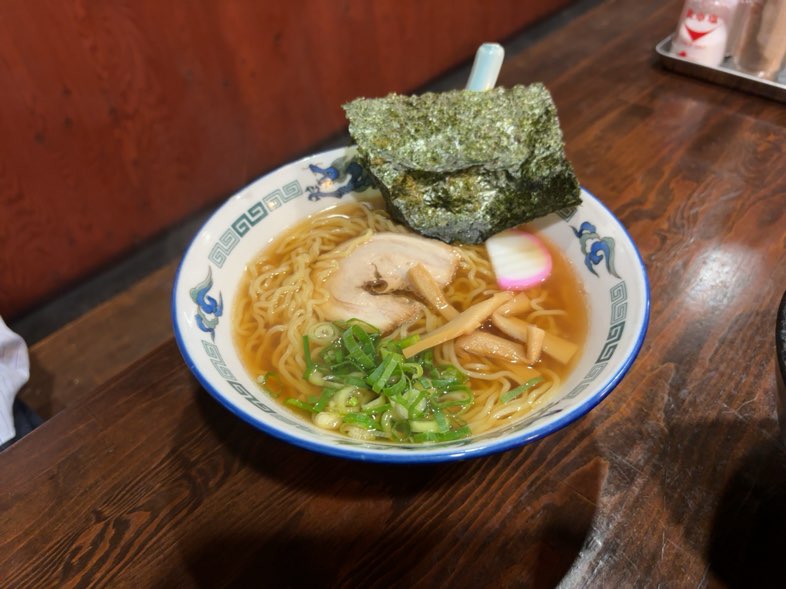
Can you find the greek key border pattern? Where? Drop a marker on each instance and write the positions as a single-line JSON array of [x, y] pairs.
[[221, 250], [214, 354], [619, 310], [245, 222], [593, 373], [618, 295], [253, 215]]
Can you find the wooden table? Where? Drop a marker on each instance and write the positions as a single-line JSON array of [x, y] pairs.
[[677, 479]]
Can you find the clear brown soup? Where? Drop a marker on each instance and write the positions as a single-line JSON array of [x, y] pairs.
[[262, 356]]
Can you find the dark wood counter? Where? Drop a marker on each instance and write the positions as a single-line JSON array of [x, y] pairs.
[[677, 479]]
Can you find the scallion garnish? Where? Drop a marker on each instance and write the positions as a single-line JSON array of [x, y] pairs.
[[307, 356], [361, 419], [520, 390], [301, 405], [366, 381]]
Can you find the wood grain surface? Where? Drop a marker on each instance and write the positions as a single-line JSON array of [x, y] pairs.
[[119, 118], [72, 361], [678, 479]]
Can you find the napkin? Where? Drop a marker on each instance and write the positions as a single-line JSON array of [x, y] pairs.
[[14, 372]]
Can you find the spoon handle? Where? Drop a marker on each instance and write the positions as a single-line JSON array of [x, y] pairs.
[[485, 68]]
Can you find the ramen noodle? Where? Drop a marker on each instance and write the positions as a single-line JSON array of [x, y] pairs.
[[349, 376]]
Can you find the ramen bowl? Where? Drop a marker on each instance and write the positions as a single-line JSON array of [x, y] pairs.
[[602, 253]]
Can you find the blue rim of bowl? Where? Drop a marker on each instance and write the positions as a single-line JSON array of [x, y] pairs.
[[431, 454]]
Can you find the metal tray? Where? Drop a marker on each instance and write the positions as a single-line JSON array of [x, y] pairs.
[[725, 74]]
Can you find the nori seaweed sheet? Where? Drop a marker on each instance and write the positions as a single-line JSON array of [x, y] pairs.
[[462, 165]]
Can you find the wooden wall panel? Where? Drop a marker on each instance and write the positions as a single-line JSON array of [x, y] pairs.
[[118, 118]]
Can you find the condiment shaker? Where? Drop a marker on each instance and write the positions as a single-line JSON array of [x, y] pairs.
[[761, 47], [703, 31]]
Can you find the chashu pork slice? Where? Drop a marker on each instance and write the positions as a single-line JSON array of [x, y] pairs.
[[369, 281]]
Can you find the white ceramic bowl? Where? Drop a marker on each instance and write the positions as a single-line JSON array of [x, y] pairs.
[[603, 253]]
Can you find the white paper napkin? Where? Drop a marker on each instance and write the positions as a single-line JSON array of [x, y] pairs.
[[14, 372]]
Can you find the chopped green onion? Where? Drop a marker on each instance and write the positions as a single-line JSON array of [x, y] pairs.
[[310, 368], [408, 341], [386, 421], [383, 372], [367, 327], [414, 369], [360, 419], [353, 380], [344, 401], [323, 333], [376, 409], [397, 387], [378, 404], [442, 421], [416, 407], [451, 373], [399, 411], [449, 436], [366, 382], [326, 395], [456, 399], [418, 426], [357, 343], [519, 390], [400, 431], [301, 405], [332, 354]]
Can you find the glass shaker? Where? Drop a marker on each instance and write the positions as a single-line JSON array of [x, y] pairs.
[[703, 31], [761, 47]]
